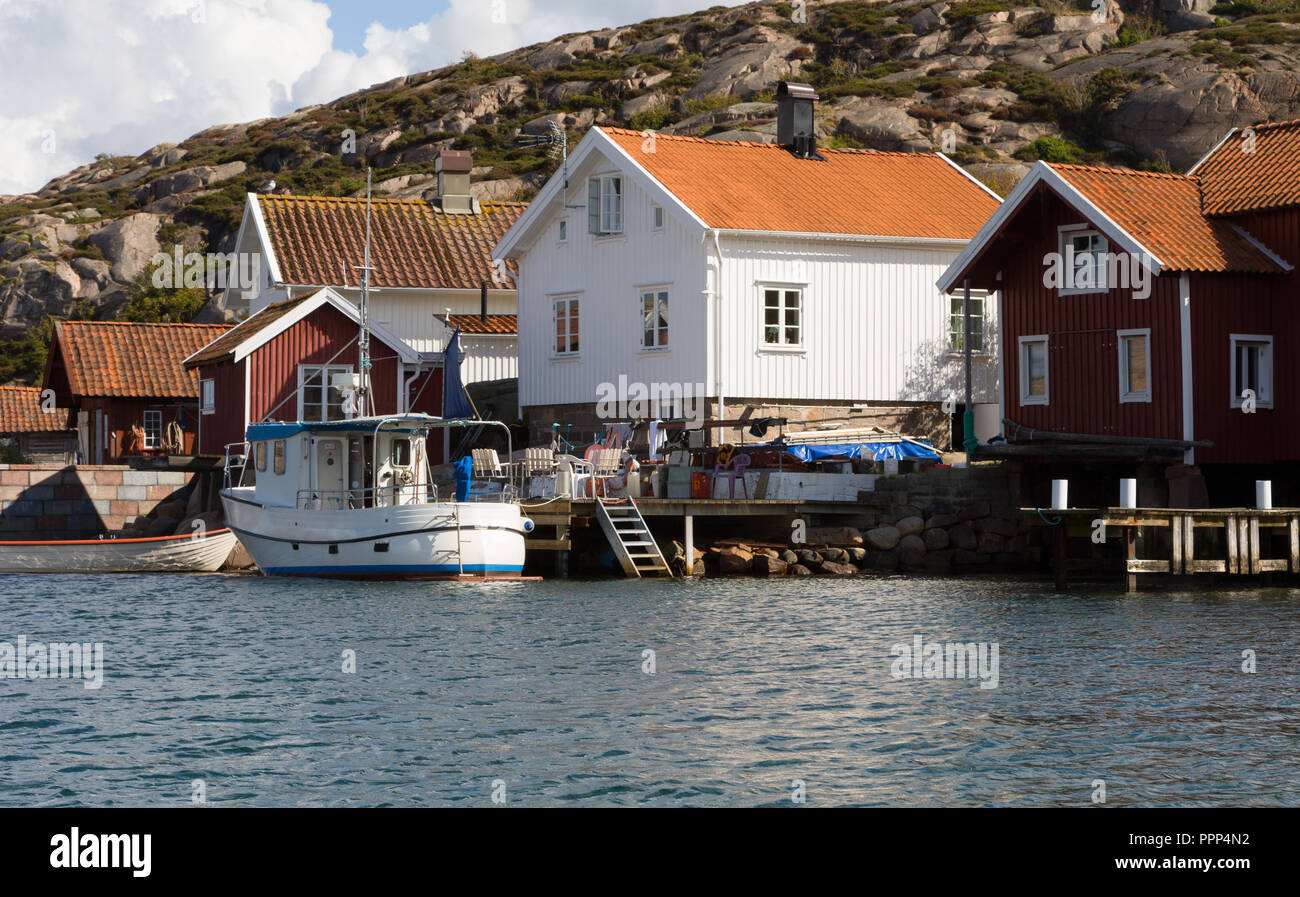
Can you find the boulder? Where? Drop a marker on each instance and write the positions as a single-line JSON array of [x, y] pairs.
[[935, 539], [941, 520], [911, 550], [799, 570], [763, 565], [809, 558], [834, 569], [129, 244], [989, 543], [788, 556], [733, 560], [881, 127], [883, 538], [882, 560], [962, 536], [834, 555], [856, 555], [973, 512], [910, 526]]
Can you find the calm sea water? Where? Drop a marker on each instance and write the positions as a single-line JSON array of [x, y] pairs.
[[238, 682]]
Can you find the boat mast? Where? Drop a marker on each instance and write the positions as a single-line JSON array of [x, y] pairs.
[[363, 340]]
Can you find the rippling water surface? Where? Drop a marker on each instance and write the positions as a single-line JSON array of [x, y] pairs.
[[238, 681]]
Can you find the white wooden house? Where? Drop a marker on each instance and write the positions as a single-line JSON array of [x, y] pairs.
[[430, 259], [779, 278]]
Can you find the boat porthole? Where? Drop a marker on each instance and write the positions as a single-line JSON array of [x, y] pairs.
[[334, 549], [381, 546], [295, 546]]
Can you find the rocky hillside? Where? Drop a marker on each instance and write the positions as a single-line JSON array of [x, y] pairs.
[[997, 84]]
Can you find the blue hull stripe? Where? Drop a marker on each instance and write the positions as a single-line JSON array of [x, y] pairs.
[[401, 568]]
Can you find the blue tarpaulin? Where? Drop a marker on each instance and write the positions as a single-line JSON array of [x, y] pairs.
[[455, 402], [876, 451]]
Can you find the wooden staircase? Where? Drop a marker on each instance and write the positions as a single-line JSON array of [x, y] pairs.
[[634, 547]]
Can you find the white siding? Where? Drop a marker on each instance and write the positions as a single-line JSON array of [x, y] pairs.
[[605, 274], [488, 358], [875, 326]]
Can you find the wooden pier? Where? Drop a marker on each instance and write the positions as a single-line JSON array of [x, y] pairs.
[[1247, 534]]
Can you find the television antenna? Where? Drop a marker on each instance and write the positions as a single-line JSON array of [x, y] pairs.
[[558, 141]]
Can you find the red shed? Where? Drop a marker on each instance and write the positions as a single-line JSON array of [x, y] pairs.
[[1138, 307], [278, 365], [126, 385]]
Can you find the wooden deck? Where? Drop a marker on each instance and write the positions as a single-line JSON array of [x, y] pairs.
[[1246, 532]]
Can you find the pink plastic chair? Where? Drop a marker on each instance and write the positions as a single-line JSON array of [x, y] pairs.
[[733, 472]]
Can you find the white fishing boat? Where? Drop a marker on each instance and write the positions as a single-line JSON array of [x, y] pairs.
[[355, 498], [201, 552]]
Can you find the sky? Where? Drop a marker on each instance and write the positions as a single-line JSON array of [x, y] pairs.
[[84, 77]]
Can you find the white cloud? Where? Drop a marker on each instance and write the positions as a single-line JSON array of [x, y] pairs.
[[83, 77]]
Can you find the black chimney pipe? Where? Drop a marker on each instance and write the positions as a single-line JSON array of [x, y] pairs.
[[482, 299]]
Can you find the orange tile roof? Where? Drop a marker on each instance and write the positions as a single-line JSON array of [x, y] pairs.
[[493, 324], [20, 412], [740, 185], [1246, 173], [318, 241], [117, 358], [223, 347], [1163, 213]]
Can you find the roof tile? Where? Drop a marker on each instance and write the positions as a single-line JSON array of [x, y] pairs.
[[1163, 213], [117, 358], [1256, 168], [493, 324], [20, 412], [740, 185], [320, 241]]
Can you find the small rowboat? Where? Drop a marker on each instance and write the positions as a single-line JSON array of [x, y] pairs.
[[195, 553]]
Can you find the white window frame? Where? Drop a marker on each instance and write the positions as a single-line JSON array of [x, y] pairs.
[[327, 370], [660, 293], [569, 300], [1121, 338], [1263, 398], [782, 289], [1025, 397], [956, 326], [657, 218], [608, 218], [208, 396], [1072, 231], [155, 441]]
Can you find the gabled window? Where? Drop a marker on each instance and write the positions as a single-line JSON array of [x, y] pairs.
[[318, 399], [1033, 370], [1083, 255], [957, 324], [566, 325], [605, 205], [782, 316], [654, 319], [1134, 365], [207, 396], [1252, 368], [153, 429]]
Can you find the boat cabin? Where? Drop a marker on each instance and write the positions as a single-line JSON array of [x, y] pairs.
[[340, 465]]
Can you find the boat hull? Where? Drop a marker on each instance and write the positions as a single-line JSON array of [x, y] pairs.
[[162, 554], [442, 540]]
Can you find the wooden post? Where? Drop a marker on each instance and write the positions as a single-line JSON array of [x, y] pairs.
[[690, 545], [1130, 544], [1189, 534], [1293, 531], [1254, 544], [1176, 549], [1058, 554], [1234, 560]]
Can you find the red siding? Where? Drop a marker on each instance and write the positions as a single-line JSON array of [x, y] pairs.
[[1083, 355], [226, 424], [121, 414]]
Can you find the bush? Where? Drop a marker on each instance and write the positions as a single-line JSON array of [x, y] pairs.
[[1053, 149]]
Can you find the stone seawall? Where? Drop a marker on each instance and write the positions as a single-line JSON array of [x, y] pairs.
[[51, 502]]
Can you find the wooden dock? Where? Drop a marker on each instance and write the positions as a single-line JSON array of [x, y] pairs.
[[1247, 533]]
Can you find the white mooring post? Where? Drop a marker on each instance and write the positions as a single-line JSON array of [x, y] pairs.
[[1128, 493], [1060, 495], [1264, 495], [690, 545]]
